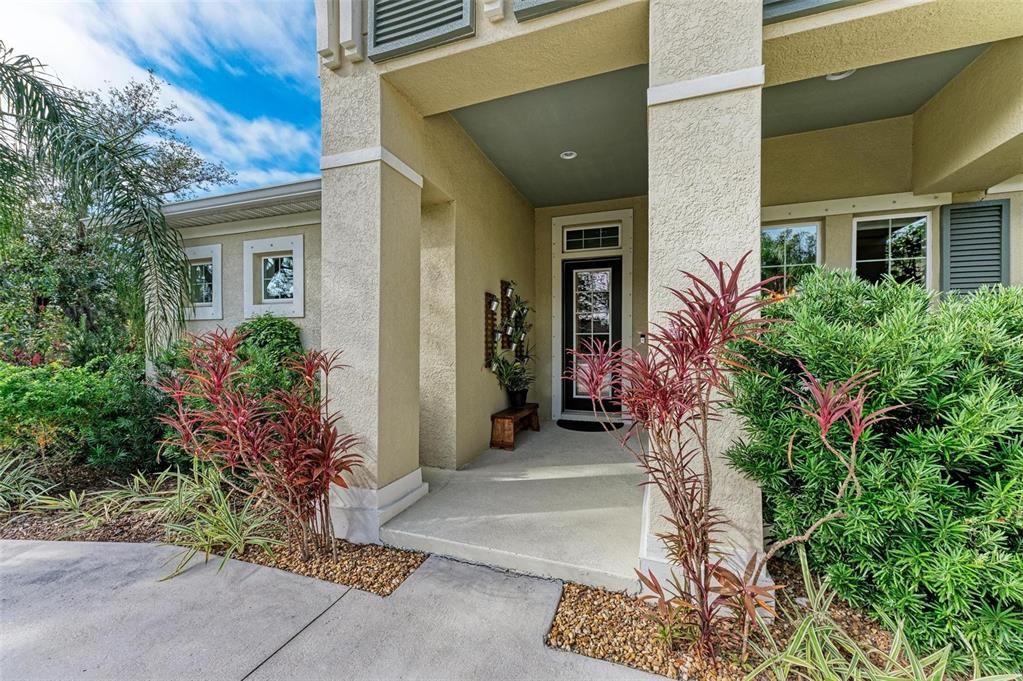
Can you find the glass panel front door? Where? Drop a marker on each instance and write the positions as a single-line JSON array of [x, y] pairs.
[[592, 300]]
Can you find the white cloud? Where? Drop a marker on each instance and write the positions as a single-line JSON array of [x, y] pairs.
[[93, 45]]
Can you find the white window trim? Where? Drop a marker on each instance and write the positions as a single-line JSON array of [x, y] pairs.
[[567, 228], [214, 310], [256, 248], [558, 225], [928, 245], [819, 224]]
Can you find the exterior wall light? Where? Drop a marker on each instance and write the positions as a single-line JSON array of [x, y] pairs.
[[839, 75]]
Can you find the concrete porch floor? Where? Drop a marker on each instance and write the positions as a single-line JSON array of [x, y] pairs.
[[564, 504]]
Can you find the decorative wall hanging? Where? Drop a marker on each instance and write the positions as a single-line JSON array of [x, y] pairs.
[[491, 335], [507, 291]]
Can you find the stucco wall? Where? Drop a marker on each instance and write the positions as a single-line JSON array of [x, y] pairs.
[[852, 160], [704, 196], [507, 57], [437, 337], [493, 240], [232, 264], [542, 302], [983, 107], [884, 32]]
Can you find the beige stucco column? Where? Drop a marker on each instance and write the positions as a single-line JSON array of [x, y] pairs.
[[704, 173], [370, 293]]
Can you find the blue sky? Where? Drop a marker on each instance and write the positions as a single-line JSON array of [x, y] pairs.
[[244, 70]]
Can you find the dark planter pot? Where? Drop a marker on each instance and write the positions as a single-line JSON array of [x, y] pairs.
[[517, 398]]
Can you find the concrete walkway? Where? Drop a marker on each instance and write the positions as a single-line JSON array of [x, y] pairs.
[[98, 611], [564, 504]]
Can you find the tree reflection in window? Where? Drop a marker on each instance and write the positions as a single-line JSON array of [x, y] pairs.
[[895, 246], [278, 277], [788, 252], [200, 282]]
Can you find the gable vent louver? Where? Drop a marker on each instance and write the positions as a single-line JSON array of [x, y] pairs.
[[398, 27], [975, 245]]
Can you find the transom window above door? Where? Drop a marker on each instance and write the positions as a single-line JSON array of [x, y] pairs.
[[894, 245], [592, 238], [788, 252]]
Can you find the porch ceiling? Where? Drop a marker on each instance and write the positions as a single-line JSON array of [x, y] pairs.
[[603, 120], [894, 89]]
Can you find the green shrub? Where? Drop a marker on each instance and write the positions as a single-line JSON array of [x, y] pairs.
[[936, 539], [60, 414], [277, 337], [270, 344], [821, 650]]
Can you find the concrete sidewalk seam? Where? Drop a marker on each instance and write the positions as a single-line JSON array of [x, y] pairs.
[[297, 634]]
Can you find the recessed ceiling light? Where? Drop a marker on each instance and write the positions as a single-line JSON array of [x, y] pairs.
[[840, 75], [568, 155]]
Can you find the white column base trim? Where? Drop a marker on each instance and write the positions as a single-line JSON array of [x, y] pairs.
[[358, 513], [708, 85], [368, 155], [652, 556], [653, 559]]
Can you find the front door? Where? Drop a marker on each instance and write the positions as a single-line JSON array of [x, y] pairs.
[[591, 311]]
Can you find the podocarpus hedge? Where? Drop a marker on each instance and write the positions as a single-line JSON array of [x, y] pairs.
[[58, 414], [937, 536]]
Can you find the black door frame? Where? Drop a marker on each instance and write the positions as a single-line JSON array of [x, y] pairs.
[[568, 266]]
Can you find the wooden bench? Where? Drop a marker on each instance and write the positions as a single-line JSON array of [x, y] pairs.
[[505, 424]]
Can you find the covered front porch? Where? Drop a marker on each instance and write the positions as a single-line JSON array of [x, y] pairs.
[[564, 504], [442, 182]]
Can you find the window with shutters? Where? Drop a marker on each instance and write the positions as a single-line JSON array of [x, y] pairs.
[[398, 27], [974, 245], [895, 245]]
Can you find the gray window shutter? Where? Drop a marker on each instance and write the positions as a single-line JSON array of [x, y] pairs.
[[398, 27], [974, 245]]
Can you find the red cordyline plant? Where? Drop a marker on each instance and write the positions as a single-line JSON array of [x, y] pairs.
[[673, 392], [828, 405], [286, 444]]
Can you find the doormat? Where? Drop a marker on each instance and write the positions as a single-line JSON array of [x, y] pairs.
[[588, 426]]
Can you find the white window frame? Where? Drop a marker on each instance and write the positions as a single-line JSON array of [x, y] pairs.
[[558, 254], [254, 251], [819, 224], [262, 277], [214, 309], [928, 238], [564, 238]]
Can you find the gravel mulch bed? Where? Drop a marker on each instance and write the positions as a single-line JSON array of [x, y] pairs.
[[614, 626], [369, 567]]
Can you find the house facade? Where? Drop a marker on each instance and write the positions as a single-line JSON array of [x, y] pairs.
[[588, 151]]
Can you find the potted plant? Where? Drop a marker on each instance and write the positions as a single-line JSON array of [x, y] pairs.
[[514, 376]]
